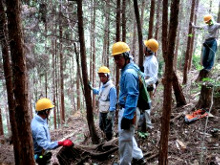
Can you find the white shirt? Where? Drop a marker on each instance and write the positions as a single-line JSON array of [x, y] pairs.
[[210, 30], [150, 69]]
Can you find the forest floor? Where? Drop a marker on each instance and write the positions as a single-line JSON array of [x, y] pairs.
[[189, 144]]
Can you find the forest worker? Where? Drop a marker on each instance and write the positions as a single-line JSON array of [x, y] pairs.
[[41, 134], [150, 72], [128, 98], [210, 43], [107, 101]]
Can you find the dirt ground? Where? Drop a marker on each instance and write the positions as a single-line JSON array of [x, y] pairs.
[[189, 144]]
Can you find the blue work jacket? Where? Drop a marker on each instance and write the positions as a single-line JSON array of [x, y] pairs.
[[41, 135], [129, 89]]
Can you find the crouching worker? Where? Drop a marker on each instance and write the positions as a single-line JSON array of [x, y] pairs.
[[107, 101], [41, 134]]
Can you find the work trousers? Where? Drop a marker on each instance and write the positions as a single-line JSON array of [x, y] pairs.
[[128, 148], [106, 125], [208, 53]]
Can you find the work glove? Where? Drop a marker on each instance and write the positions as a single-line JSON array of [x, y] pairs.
[[110, 115], [66, 143], [90, 85], [126, 123]]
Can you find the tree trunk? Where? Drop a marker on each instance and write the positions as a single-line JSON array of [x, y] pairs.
[[54, 82], [123, 20], [176, 49], [8, 80], [79, 79], [187, 56], [1, 124], [92, 48], [105, 55], [87, 93], [168, 58], [158, 20], [151, 20], [93, 53], [118, 31], [193, 35], [210, 7], [22, 118], [140, 37], [218, 19], [180, 99], [62, 107], [134, 41], [143, 6]]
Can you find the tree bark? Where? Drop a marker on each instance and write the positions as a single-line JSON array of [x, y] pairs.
[[79, 79], [158, 19], [187, 56], [54, 83], [206, 96], [62, 108], [8, 80], [151, 20], [95, 138], [218, 19], [193, 35], [105, 57], [118, 31], [180, 99], [25, 142], [168, 57], [1, 124], [140, 37], [134, 41], [124, 20]]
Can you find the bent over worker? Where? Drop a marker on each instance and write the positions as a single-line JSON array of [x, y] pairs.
[[150, 72], [107, 102], [210, 44], [128, 98], [41, 134]]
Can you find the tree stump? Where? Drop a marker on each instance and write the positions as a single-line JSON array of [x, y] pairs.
[[79, 153], [205, 96], [216, 97], [202, 74]]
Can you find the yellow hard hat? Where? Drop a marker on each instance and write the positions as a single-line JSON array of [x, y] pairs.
[[207, 18], [103, 69], [119, 48], [43, 103], [151, 44]]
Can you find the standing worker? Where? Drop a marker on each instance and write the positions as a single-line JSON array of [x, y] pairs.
[[150, 72], [210, 44], [41, 134], [129, 152], [107, 102]]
